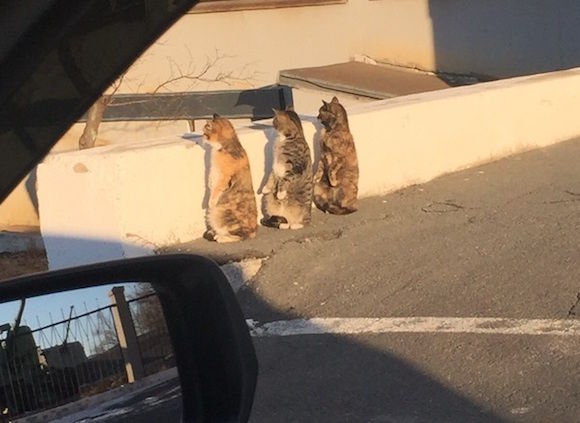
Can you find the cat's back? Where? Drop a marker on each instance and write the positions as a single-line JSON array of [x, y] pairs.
[[232, 211], [339, 144], [228, 155], [291, 144], [229, 161], [238, 202], [341, 140], [336, 135], [297, 151]]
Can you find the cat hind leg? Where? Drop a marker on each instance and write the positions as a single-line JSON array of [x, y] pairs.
[[334, 201], [274, 222], [209, 235], [340, 210], [298, 217], [222, 239]]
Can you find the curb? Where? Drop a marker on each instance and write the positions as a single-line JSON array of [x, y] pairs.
[[83, 404], [18, 242]]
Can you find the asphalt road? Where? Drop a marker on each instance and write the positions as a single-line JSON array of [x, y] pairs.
[[500, 240]]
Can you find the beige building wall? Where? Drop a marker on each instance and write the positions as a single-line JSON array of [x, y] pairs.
[[260, 43], [497, 38]]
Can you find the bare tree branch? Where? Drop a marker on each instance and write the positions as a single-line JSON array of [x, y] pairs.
[[117, 84], [204, 75], [94, 118]]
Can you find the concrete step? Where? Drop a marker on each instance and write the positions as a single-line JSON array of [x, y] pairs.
[[16, 239], [368, 80]]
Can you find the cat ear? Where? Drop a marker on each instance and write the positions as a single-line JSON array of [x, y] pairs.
[[334, 100], [215, 116], [275, 110], [290, 108], [324, 103]]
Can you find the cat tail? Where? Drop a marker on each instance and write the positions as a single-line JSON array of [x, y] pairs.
[[340, 210], [333, 208]]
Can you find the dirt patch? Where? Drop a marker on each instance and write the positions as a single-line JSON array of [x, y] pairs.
[[16, 264]]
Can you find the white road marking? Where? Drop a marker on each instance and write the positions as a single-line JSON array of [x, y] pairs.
[[106, 416], [521, 410], [476, 325]]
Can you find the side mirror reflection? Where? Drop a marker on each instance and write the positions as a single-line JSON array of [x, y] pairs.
[[59, 344], [59, 348]]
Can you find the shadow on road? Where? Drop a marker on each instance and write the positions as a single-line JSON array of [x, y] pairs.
[[328, 378]]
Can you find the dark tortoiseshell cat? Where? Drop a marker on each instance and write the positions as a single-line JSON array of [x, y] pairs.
[[336, 178], [232, 214], [288, 193]]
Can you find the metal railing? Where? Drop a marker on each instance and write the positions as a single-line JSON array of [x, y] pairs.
[[153, 338], [80, 356]]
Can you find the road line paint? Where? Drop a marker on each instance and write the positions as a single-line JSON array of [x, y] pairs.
[[476, 325]]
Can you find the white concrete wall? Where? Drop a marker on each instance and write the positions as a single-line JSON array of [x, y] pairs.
[[20, 208], [119, 201], [122, 201]]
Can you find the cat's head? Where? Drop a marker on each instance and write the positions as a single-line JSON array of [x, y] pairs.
[[332, 115], [218, 131], [287, 123]]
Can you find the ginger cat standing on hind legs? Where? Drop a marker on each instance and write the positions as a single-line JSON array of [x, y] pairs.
[[336, 178], [232, 214]]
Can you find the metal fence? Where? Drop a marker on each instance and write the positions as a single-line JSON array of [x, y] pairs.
[[153, 338], [78, 356]]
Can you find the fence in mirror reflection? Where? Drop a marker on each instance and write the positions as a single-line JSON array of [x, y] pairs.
[[82, 354]]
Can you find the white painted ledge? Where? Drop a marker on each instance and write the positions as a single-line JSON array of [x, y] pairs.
[[124, 201]]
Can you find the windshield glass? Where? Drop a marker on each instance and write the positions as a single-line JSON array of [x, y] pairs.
[[390, 188]]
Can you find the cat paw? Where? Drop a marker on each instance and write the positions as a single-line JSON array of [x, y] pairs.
[[296, 226], [209, 235], [222, 239], [266, 190], [284, 226], [280, 195]]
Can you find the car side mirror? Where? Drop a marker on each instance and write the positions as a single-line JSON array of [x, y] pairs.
[[213, 351]]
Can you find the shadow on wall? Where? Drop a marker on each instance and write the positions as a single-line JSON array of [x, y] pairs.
[[271, 134], [315, 139], [505, 38], [198, 139], [30, 185], [330, 378]]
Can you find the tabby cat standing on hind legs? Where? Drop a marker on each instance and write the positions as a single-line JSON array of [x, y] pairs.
[[287, 197], [232, 214], [336, 178]]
